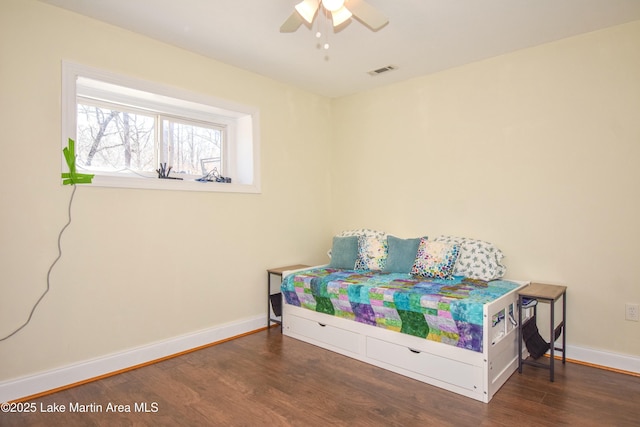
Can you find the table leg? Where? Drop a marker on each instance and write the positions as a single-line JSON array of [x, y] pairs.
[[552, 340], [564, 328], [268, 300], [519, 334]]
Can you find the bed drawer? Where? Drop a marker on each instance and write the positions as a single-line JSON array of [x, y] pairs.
[[326, 334], [422, 363]]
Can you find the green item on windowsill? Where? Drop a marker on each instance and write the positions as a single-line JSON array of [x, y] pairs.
[[72, 177]]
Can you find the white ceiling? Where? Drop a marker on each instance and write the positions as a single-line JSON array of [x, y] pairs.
[[422, 37]]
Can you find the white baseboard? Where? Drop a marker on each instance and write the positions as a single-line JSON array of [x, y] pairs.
[[603, 358], [85, 370]]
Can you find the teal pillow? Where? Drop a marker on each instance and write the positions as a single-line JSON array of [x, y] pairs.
[[401, 254], [344, 252]]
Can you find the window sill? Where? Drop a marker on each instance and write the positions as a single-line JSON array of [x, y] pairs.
[[172, 184]]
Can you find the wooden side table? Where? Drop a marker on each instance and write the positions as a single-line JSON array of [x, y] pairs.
[[277, 272], [549, 294]]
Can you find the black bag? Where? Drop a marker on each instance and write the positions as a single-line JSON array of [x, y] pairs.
[[536, 345], [276, 303]]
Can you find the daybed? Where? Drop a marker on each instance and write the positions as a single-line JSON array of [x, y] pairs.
[[431, 309]]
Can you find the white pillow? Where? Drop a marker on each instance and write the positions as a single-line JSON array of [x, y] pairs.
[[477, 259], [372, 252]]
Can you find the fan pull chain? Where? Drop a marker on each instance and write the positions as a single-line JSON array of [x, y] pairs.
[[328, 25]]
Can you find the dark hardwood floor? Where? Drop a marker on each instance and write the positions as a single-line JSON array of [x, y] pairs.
[[266, 379]]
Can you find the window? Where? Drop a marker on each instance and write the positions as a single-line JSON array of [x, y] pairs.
[[127, 130], [113, 138]]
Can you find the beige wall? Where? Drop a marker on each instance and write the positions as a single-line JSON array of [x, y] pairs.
[[536, 151], [139, 266]]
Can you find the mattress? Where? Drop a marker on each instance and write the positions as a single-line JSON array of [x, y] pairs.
[[446, 311]]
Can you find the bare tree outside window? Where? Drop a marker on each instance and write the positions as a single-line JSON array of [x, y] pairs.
[[187, 144], [109, 139]]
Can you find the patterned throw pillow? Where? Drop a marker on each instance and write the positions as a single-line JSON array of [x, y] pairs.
[[477, 259], [361, 232], [372, 252], [435, 259]]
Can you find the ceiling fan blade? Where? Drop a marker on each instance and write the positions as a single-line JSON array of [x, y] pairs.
[[307, 9], [292, 23], [367, 14], [340, 16]]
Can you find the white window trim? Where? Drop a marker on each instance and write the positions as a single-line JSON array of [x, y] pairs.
[[245, 136]]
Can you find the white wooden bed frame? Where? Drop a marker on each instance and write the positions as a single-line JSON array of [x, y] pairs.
[[466, 372]]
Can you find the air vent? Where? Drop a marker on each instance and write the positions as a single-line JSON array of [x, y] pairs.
[[383, 70]]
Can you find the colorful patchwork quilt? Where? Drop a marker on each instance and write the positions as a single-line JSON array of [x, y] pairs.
[[447, 311]]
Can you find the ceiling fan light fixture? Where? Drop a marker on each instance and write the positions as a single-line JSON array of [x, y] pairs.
[[333, 5], [340, 16], [307, 9]]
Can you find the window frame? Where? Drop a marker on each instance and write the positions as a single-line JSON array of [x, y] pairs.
[[241, 146]]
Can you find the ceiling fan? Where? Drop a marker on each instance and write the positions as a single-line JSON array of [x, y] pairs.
[[340, 10]]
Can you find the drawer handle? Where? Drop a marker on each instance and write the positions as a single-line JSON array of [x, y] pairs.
[[322, 324], [414, 351]]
